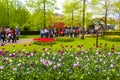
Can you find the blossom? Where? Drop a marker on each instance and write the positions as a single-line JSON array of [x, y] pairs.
[[54, 67], [1, 53], [10, 60], [19, 65], [76, 65], [4, 60], [14, 69], [111, 65], [1, 67], [28, 55], [49, 62], [58, 64], [12, 55]]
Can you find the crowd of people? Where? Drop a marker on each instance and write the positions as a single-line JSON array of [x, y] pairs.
[[72, 32], [9, 35], [68, 32]]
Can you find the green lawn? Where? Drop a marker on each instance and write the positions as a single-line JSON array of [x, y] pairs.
[[87, 42]]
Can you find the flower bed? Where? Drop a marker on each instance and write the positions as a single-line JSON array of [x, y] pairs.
[[66, 64], [65, 39], [44, 41], [112, 38]]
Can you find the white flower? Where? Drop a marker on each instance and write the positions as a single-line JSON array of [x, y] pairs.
[[109, 54], [59, 60], [58, 64], [111, 65], [48, 53], [14, 69], [100, 59], [19, 64], [49, 62], [118, 53], [53, 57]]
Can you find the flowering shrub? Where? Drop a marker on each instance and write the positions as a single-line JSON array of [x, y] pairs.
[[112, 38], [44, 41], [65, 39], [67, 63]]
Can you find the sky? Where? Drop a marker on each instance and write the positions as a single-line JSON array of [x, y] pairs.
[[59, 5]]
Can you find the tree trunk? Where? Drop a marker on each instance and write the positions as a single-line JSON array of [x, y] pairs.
[[106, 11], [7, 13], [44, 15], [83, 20], [72, 17]]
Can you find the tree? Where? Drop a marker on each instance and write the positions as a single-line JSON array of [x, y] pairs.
[[72, 8], [82, 37], [116, 9]]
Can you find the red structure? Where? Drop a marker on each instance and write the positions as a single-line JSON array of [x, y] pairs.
[[59, 25]]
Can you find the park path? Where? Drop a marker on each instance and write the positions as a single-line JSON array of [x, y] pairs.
[[21, 41]]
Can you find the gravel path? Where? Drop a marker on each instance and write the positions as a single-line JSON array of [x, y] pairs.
[[21, 41]]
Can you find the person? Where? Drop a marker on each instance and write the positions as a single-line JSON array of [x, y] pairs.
[[51, 31], [3, 34], [67, 32], [14, 36], [71, 32], [10, 32], [46, 32], [17, 31], [41, 32]]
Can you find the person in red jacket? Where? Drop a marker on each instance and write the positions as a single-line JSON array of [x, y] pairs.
[[10, 33]]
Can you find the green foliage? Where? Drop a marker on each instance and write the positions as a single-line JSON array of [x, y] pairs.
[[65, 39], [112, 38], [26, 27]]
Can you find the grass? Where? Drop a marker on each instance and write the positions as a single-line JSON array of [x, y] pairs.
[[87, 42], [29, 36]]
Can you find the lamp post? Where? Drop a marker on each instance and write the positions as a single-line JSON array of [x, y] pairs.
[[96, 39]]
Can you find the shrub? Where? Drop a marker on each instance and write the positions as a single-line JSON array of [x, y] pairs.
[[65, 39], [112, 38], [44, 41]]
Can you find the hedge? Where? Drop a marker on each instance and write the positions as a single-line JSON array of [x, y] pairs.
[[38, 32], [29, 32], [110, 33]]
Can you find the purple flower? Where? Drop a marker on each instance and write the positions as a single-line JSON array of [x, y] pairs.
[[79, 46], [4, 60], [90, 48], [1, 67], [66, 46], [78, 53], [3, 48], [13, 46], [105, 49], [2, 44], [54, 67], [35, 52], [29, 44], [71, 46], [12, 55], [62, 52], [1, 53], [25, 45], [83, 51], [59, 51], [62, 59], [43, 49], [28, 55], [100, 43]]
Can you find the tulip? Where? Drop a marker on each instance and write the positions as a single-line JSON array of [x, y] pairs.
[[1, 67], [54, 67]]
